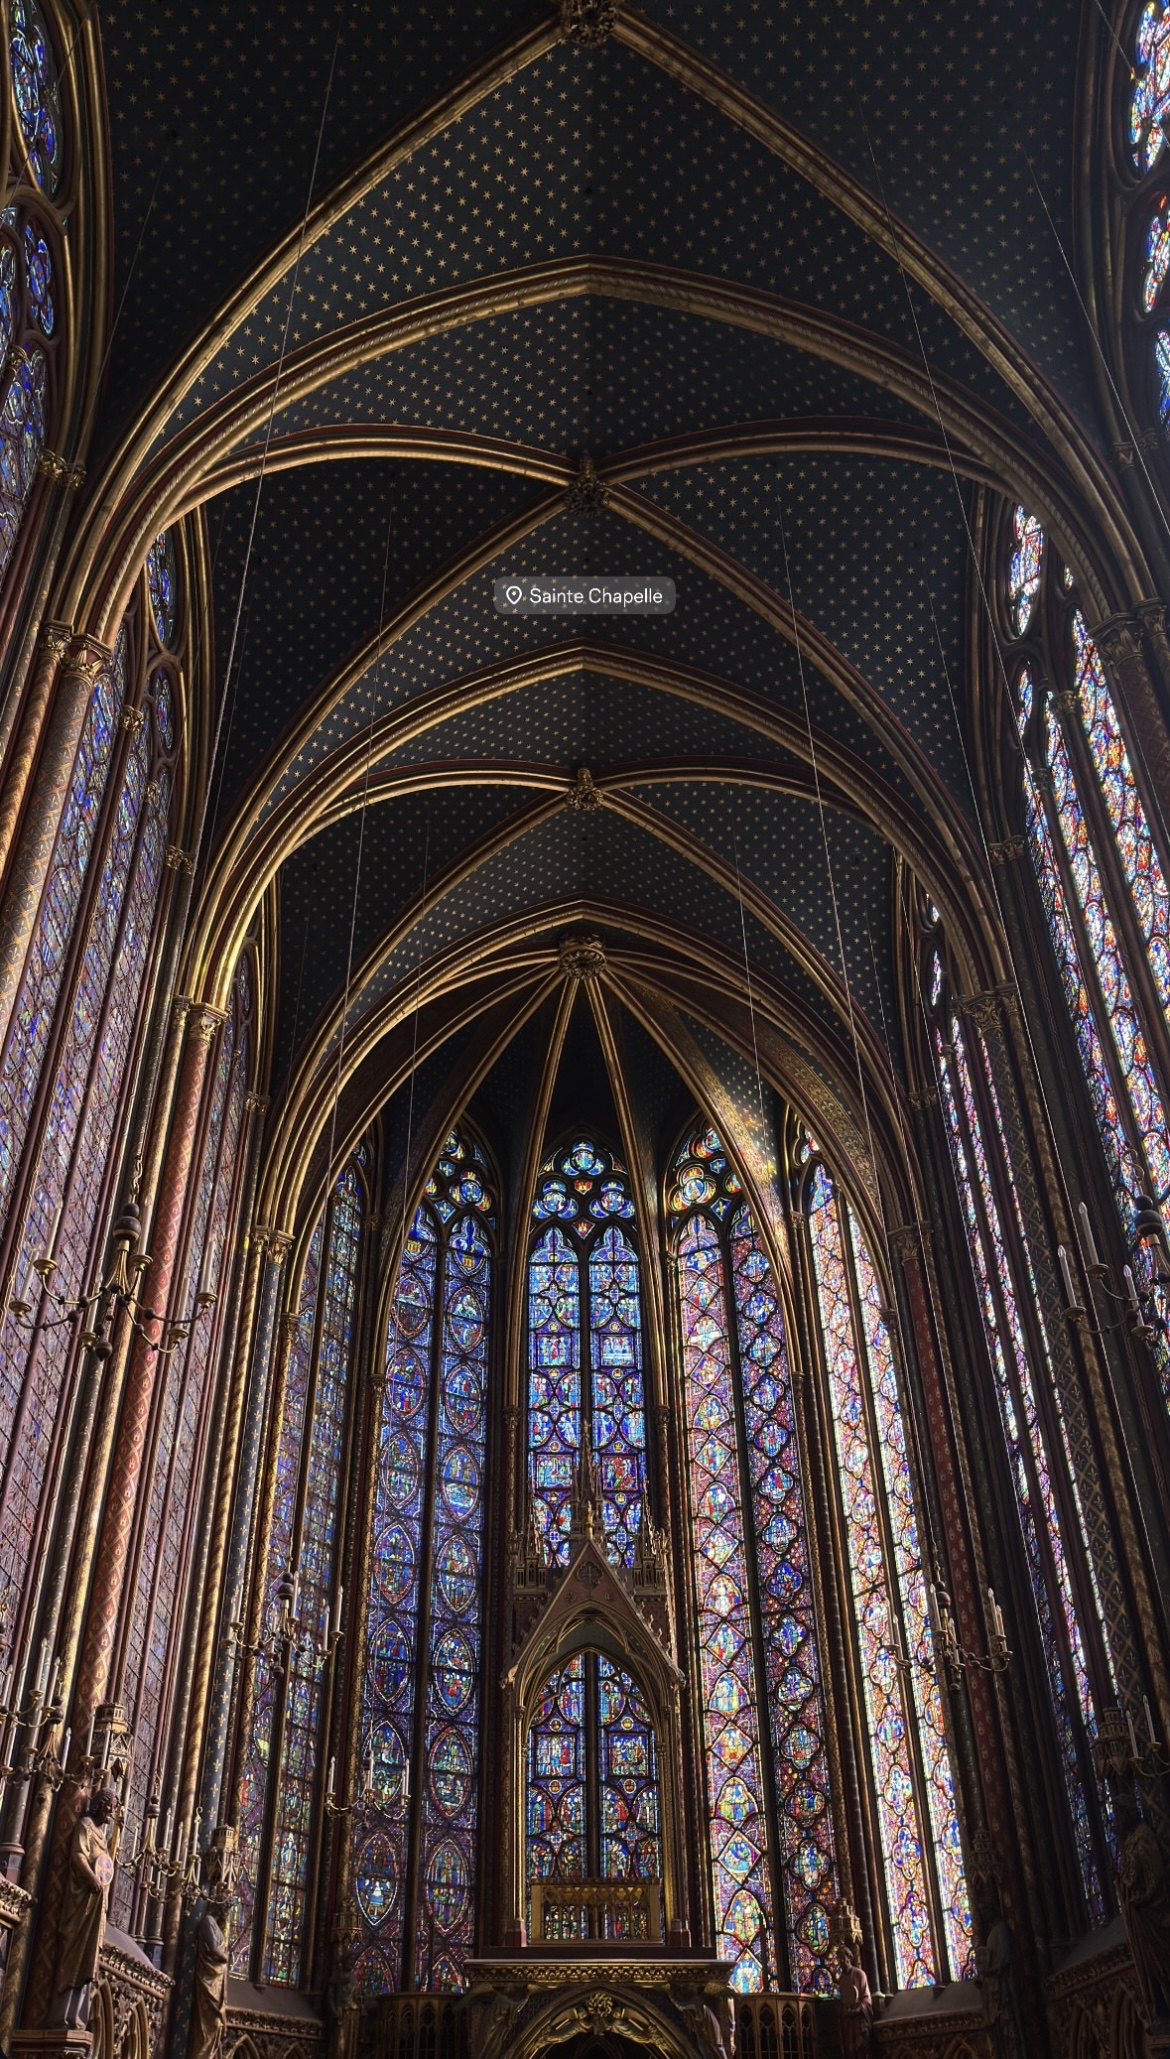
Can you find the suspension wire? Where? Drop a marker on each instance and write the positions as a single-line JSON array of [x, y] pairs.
[[1134, 434], [814, 763], [891, 1314], [996, 643], [375, 702], [230, 687], [747, 973]]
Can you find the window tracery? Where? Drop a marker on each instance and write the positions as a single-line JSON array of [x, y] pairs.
[[415, 1852], [585, 1381]]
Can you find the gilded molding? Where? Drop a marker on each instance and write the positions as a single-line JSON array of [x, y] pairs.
[[204, 1021], [178, 860]]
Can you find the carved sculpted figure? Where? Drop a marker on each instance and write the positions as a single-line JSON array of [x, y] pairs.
[[856, 2005], [83, 1911], [209, 2002], [1144, 1893]]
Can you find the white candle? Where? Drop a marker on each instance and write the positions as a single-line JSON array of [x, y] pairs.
[[296, 1589], [337, 1608], [89, 1739], [1066, 1275], [1087, 1234], [996, 1613], [51, 1246], [169, 1827], [329, 1788], [42, 1666], [4, 1691], [1132, 1736], [1149, 1719], [181, 1847], [58, 1668], [1131, 1290], [68, 1739], [237, 1599], [195, 1833]]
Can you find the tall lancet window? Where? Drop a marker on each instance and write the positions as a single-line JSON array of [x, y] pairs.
[[415, 1875], [1043, 1477], [68, 1063], [892, 1643], [1102, 879], [773, 1867], [585, 1346], [282, 1774], [166, 1542]]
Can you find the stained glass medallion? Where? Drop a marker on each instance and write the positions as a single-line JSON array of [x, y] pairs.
[[34, 85]]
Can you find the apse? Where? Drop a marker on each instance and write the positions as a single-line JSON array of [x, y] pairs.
[[584, 1268]]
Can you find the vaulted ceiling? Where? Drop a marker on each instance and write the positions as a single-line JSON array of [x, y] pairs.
[[792, 276]]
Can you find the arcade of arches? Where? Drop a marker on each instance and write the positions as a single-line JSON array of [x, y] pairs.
[[584, 1186]]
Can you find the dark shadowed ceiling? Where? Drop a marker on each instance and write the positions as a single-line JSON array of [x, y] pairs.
[[747, 260]]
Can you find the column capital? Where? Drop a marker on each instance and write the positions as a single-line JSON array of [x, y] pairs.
[[203, 1021], [85, 659]]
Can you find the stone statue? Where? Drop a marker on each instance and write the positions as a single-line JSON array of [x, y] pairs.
[[856, 2004], [342, 2005], [995, 1971], [209, 2001], [82, 1923], [1144, 1894]]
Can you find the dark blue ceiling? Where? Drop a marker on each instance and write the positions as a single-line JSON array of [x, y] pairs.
[[950, 117]]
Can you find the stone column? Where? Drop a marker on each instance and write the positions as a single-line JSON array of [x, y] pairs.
[[33, 850], [20, 759], [269, 1249], [107, 1598], [1123, 654]]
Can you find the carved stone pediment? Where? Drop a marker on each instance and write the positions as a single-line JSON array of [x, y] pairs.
[[594, 1603]]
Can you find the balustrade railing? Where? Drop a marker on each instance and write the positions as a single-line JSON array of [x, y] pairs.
[[577, 1912], [779, 2027]]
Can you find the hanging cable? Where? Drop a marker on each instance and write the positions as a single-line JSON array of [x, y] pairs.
[[1133, 433], [230, 688], [996, 644]]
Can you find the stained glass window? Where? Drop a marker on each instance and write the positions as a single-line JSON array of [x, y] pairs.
[[161, 585], [421, 1690], [1024, 571], [891, 1619], [78, 1123], [34, 85], [585, 1345], [762, 1693], [1157, 255], [1150, 98], [179, 1448], [1041, 1522], [313, 1550], [277, 1818], [1081, 798], [592, 1718], [32, 1015]]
